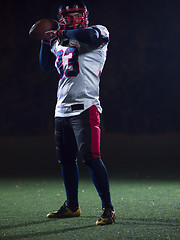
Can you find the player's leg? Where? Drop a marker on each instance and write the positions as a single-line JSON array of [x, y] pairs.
[[66, 150], [87, 131]]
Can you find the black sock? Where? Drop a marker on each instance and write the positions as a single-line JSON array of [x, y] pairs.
[[100, 179], [70, 174]]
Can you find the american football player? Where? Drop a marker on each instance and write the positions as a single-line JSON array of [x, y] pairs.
[[78, 53]]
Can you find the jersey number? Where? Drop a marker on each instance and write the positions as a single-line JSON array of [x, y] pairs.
[[70, 56]]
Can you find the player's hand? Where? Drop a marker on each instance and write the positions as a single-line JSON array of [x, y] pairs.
[[53, 34]]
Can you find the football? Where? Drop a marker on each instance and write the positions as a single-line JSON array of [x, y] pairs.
[[40, 27]]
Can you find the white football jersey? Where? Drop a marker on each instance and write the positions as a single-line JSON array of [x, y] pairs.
[[79, 69]]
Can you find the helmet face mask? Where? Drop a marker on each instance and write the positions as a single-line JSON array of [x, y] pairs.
[[72, 15]]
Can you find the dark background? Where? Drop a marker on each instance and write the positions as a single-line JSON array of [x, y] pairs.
[[140, 87]]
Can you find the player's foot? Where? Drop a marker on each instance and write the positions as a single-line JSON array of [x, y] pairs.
[[108, 217], [65, 212]]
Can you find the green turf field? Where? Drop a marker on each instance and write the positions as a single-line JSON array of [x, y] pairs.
[[146, 209]]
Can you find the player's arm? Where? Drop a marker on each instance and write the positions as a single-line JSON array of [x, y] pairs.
[[46, 58], [88, 36]]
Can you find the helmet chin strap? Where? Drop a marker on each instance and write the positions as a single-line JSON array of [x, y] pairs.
[[74, 26]]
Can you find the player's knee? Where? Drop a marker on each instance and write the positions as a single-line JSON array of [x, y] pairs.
[[89, 152], [89, 157], [65, 157]]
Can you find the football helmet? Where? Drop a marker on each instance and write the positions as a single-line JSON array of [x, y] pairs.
[[73, 14]]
